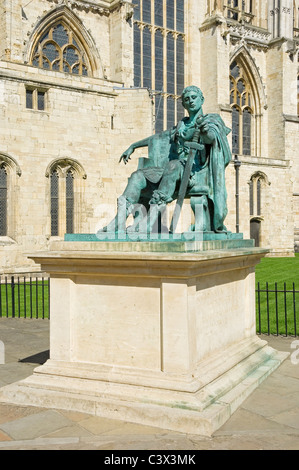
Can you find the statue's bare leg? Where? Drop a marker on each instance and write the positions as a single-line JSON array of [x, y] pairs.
[[165, 192], [125, 203]]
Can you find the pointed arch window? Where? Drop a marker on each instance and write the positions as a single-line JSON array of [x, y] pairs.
[[54, 203], [257, 184], [3, 200], [9, 171], [242, 111], [66, 189], [69, 195], [59, 49], [257, 195]]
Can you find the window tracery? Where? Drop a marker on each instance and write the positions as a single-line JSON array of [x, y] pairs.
[[59, 49], [65, 195], [242, 108]]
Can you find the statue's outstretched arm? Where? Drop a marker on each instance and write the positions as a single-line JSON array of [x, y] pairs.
[[126, 156]]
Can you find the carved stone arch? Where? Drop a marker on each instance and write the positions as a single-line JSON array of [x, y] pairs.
[[63, 165], [65, 15], [243, 56], [9, 161], [260, 175]]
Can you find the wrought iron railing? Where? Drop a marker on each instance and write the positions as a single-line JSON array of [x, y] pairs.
[[29, 297], [277, 309], [24, 297]]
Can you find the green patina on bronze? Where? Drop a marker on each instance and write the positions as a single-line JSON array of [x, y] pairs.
[[199, 139], [170, 245]]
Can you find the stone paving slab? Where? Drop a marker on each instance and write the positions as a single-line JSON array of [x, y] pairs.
[[268, 419]]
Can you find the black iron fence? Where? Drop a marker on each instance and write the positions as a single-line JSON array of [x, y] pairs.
[[277, 309], [24, 297], [29, 297]]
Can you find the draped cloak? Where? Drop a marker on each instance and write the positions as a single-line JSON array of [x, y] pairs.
[[208, 179]]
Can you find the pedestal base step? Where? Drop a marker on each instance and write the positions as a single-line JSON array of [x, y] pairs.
[[201, 412]]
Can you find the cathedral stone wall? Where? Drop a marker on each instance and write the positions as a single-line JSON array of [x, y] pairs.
[[89, 121]]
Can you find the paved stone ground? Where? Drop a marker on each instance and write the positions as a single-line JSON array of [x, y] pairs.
[[267, 420]]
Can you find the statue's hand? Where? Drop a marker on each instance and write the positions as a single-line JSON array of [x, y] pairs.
[[203, 126], [126, 156]]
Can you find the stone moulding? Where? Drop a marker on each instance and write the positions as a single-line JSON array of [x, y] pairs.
[[83, 85], [103, 8], [11, 162], [250, 34], [63, 164]]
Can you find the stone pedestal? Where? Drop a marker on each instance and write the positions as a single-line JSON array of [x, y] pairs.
[[166, 339]]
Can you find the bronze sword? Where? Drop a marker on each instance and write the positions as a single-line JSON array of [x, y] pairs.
[[194, 146]]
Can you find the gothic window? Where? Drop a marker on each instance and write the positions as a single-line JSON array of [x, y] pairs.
[[159, 44], [3, 200], [257, 193], [9, 170], [65, 195], [57, 201], [54, 203], [257, 182], [59, 49], [69, 202], [242, 111]]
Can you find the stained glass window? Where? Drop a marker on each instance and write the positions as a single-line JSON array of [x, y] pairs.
[[159, 43], [258, 196], [146, 11], [170, 64], [158, 13], [170, 14], [180, 16], [69, 202], [54, 203], [235, 131], [147, 58], [251, 210], [60, 35], [246, 131], [159, 60], [59, 49], [242, 110], [3, 201], [40, 100]]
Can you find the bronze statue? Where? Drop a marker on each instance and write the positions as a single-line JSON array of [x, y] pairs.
[[187, 161]]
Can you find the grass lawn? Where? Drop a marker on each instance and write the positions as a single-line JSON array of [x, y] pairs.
[[278, 310], [31, 299]]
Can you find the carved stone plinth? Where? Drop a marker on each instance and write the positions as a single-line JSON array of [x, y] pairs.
[[164, 339]]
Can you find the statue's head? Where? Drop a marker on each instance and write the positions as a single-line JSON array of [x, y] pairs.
[[194, 90]]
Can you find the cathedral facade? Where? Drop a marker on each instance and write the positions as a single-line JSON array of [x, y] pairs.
[[81, 80]]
